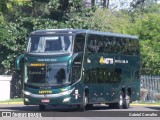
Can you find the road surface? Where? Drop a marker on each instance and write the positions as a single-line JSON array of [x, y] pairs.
[[99, 112]]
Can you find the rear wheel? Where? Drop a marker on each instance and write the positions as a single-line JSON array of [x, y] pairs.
[[111, 105], [120, 103], [42, 107], [126, 104]]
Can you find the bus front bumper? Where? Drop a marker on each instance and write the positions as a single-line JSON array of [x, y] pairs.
[[63, 98]]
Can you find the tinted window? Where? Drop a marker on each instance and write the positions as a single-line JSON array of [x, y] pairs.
[[103, 75], [91, 76], [76, 68], [112, 45], [95, 43], [137, 74], [48, 73], [79, 43]]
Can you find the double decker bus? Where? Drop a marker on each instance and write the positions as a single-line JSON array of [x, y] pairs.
[[80, 67]]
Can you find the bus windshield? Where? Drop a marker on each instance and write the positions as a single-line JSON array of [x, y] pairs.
[[43, 44], [48, 73]]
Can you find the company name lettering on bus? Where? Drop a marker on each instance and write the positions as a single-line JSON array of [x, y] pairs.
[[106, 60], [121, 61], [45, 92], [37, 64], [47, 60], [111, 61]]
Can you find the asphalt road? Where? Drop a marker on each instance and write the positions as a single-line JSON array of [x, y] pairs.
[[21, 107], [99, 112]]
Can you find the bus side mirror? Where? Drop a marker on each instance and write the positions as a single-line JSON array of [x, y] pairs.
[[18, 61]]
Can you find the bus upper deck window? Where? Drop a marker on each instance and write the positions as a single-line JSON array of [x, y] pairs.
[[79, 43]]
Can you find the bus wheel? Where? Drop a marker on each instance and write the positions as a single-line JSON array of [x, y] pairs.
[[120, 103], [126, 104], [82, 106], [42, 107], [89, 106], [113, 105]]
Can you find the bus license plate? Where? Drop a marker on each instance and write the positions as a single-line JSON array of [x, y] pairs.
[[45, 100]]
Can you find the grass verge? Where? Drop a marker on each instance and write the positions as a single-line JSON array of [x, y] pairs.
[[12, 101], [146, 103], [138, 103]]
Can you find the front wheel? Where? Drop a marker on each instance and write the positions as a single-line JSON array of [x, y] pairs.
[[89, 106], [82, 106]]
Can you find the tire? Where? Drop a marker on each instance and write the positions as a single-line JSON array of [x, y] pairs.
[[120, 103], [42, 107], [82, 107], [126, 104], [89, 106], [111, 105]]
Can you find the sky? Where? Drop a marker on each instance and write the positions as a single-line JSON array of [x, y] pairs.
[[115, 4]]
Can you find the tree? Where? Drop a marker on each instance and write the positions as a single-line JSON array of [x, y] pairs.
[[20, 18], [140, 7], [3, 6], [147, 28], [111, 21]]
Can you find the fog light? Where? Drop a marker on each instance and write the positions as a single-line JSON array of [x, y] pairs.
[[66, 99]]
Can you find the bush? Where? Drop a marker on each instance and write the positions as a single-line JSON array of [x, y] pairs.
[[143, 94], [157, 96]]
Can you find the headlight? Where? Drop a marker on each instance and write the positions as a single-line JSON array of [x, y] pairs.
[[26, 99], [67, 92], [26, 93]]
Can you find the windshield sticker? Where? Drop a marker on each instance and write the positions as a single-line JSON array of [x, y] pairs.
[[47, 60], [37, 64]]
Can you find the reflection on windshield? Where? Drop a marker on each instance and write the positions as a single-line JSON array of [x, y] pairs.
[[41, 44], [49, 74], [60, 76]]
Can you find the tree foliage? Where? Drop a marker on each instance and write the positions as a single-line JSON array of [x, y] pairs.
[[18, 18], [147, 28]]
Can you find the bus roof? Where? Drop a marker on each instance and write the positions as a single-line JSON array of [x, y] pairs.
[[75, 31]]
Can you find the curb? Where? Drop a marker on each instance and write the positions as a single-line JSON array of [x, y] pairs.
[[154, 105], [11, 103], [144, 105]]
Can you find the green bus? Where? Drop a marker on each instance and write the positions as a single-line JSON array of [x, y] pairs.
[[80, 67]]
